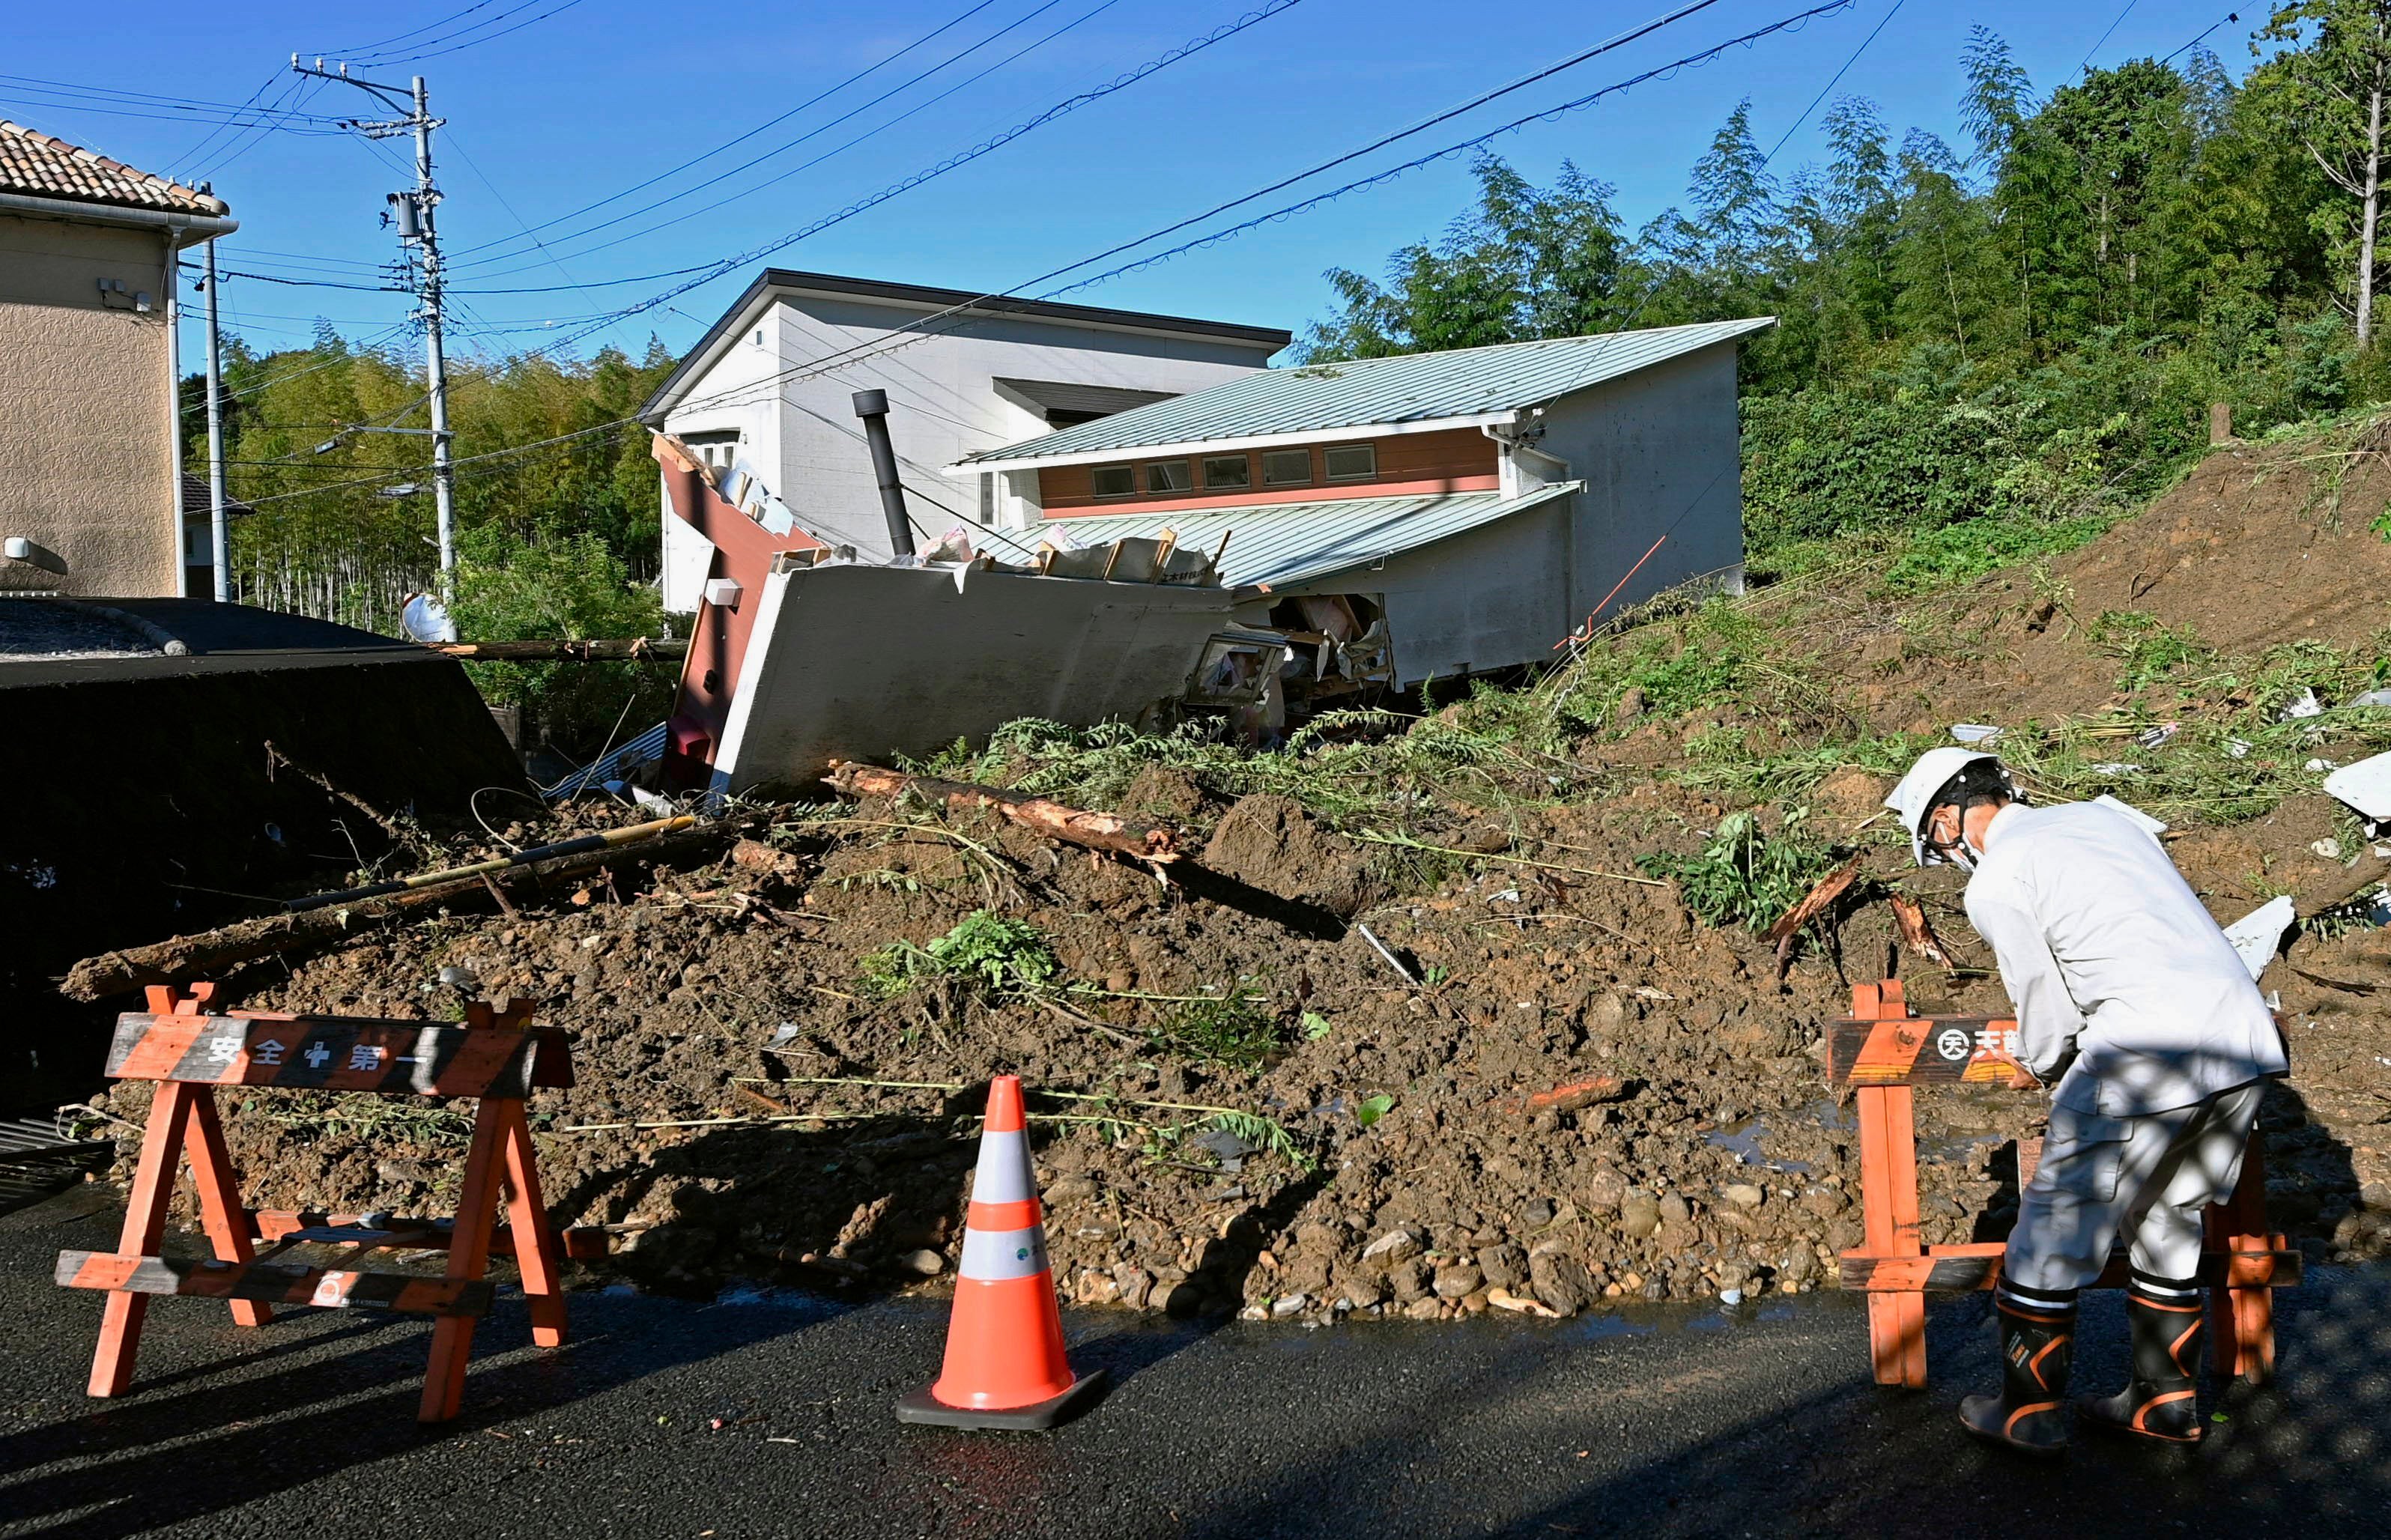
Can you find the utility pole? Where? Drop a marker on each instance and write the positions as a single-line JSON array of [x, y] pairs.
[[222, 536], [418, 240]]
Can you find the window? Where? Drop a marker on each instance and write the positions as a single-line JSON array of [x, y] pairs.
[[1287, 468], [1169, 475], [1228, 473], [1114, 481], [1351, 462]]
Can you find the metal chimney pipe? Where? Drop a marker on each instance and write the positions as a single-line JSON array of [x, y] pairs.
[[872, 407]]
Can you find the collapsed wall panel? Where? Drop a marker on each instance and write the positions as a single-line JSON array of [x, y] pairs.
[[856, 662]]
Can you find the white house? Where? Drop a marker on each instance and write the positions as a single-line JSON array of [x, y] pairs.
[[770, 388]]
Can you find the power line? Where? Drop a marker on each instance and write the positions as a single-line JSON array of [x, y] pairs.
[[848, 116], [1831, 80], [769, 123], [880, 348], [2230, 16], [2104, 36], [145, 99], [953, 162], [365, 50], [476, 43]]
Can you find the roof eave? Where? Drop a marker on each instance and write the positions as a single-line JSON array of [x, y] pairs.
[[1506, 418], [188, 226]]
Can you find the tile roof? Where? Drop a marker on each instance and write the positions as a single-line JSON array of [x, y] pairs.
[[44, 166], [1287, 543], [1410, 387]]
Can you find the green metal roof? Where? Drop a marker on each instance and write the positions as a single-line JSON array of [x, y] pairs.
[[1287, 543], [1411, 387]]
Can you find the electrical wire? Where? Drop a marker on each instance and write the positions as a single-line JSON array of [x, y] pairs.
[[2230, 16], [1831, 82], [815, 99], [486, 37], [2104, 36], [613, 222]]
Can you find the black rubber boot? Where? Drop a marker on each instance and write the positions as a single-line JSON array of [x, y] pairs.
[[2030, 1414], [2163, 1401]]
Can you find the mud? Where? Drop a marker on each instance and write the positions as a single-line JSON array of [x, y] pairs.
[[730, 1002]]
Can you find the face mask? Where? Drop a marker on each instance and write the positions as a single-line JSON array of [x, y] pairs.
[[1961, 856]]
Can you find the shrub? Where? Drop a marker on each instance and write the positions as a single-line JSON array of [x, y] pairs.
[[988, 954], [1743, 876]]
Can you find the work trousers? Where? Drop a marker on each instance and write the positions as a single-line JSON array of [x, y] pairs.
[[2148, 1177]]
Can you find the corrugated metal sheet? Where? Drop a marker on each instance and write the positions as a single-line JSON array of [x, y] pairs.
[[1413, 387], [1282, 544]]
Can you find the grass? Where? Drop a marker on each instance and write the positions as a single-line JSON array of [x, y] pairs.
[[988, 954]]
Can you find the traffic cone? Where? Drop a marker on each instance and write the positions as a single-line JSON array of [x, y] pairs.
[[1005, 1365]]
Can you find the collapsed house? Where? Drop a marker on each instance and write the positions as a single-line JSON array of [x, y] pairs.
[[1276, 542]]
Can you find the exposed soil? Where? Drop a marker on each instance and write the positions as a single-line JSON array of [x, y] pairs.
[[1705, 1153]]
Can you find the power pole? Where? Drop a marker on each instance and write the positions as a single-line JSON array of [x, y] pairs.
[[223, 548], [419, 240]]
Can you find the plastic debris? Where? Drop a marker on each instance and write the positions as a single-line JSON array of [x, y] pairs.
[[2317, 767], [2116, 768], [2157, 736], [2257, 934], [2329, 848], [2372, 697], [1976, 733], [2307, 704], [2237, 748], [2365, 785]]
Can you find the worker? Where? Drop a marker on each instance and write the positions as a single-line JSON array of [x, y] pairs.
[[2134, 1009]]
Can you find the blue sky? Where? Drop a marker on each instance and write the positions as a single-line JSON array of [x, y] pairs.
[[592, 96]]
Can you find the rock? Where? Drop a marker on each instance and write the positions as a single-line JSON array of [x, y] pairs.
[[754, 855], [1098, 1289], [1069, 1189], [1503, 1266], [1560, 1281], [1675, 1212], [1455, 1279], [1503, 1299], [1798, 1266], [1730, 1297], [1408, 1279], [1639, 1214], [1183, 1300], [1536, 1212], [1394, 1246], [1630, 705], [1425, 1308], [1743, 1194], [924, 1262], [1289, 1305], [1604, 1191], [1135, 1284]]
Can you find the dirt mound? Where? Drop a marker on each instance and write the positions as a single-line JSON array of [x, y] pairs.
[[1272, 843], [2257, 547]]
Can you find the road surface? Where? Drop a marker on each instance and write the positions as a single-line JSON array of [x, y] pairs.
[[1661, 1424]]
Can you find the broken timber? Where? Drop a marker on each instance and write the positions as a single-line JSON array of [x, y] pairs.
[[1109, 831], [599, 650], [1917, 932], [1813, 903], [211, 951]]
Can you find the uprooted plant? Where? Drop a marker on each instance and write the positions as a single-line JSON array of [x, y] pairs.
[[986, 953], [1743, 876]]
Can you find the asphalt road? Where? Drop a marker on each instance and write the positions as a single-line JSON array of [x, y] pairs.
[[1681, 1423]]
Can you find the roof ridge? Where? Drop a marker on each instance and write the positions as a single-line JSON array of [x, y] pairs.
[[1524, 342]]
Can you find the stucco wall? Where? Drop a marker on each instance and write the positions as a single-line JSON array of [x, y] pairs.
[[943, 404], [87, 466]]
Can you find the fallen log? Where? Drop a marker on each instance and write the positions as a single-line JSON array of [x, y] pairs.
[[583, 844], [2336, 889], [1813, 903], [594, 650], [180, 959], [1147, 842]]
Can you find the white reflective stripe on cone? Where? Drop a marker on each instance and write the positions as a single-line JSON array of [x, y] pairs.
[[1002, 1174], [992, 1256]]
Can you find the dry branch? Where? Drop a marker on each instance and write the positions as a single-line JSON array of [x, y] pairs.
[[595, 650], [1917, 933], [1149, 841], [1813, 903], [183, 958]]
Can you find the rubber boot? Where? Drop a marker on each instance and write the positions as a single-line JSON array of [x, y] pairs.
[[2161, 1401], [2030, 1413]]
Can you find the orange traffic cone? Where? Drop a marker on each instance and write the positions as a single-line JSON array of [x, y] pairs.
[[1006, 1366]]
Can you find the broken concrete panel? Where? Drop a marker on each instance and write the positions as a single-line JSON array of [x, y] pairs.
[[859, 662], [2257, 934], [2365, 785]]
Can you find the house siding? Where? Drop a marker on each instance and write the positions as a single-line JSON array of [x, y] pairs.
[[1457, 460], [87, 462], [803, 435]]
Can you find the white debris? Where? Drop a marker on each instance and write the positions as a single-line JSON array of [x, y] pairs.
[[2372, 697], [2237, 748], [2317, 767], [2255, 935], [2116, 768], [2365, 785], [2329, 848], [1975, 732], [2157, 736], [2305, 706]]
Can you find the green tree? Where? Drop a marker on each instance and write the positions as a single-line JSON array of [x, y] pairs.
[[2329, 90]]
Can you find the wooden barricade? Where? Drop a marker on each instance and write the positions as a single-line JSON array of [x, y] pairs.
[[1882, 1051], [495, 1055]]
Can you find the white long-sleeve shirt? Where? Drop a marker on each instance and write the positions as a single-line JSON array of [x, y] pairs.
[[2105, 950]]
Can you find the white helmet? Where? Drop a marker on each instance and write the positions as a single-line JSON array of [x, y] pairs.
[[1915, 797]]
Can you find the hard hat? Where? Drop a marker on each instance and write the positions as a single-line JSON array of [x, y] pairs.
[[1914, 795]]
